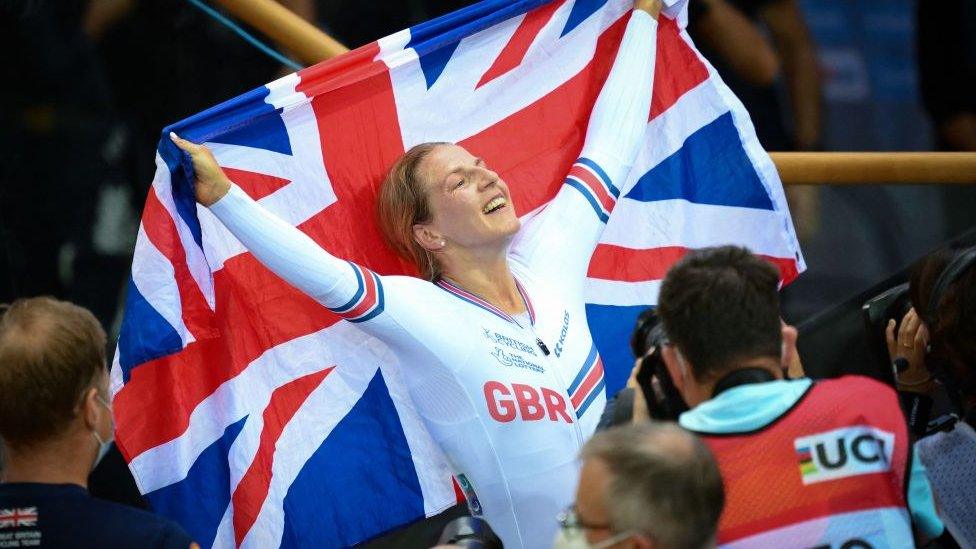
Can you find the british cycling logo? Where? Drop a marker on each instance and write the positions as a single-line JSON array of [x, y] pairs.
[[509, 342], [22, 517], [844, 452]]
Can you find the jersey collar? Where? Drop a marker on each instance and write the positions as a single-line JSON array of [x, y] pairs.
[[465, 295]]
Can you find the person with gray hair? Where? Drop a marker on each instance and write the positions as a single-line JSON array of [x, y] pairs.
[[646, 485]]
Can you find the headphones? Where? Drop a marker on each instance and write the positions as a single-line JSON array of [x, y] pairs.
[[955, 269]]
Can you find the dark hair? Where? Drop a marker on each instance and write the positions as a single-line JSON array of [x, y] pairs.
[[952, 327], [720, 306], [664, 483], [922, 279], [51, 352]]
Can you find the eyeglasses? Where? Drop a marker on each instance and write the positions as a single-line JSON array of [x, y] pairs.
[[570, 521], [573, 527]]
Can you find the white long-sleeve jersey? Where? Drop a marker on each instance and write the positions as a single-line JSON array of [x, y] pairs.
[[509, 400]]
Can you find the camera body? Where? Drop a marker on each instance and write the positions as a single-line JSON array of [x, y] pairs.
[[471, 533], [664, 402], [891, 304]]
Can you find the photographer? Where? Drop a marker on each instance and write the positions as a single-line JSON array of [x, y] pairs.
[[805, 463], [935, 345]]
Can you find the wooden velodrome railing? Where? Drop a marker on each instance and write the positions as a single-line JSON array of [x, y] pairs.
[[856, 168]]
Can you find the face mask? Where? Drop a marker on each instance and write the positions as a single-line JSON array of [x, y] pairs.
[[103, 445], [574, 539]]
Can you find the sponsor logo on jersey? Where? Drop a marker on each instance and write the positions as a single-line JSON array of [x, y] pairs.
[[844, 452], [511, 343], [514, 360], [562, 334], [519, 401], [473, 504]]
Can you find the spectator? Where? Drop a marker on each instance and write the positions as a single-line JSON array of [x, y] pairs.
[[718, 27], [805, 463], [735, 40], [940, 341], [644, 485], [55, 424], [946, 41]]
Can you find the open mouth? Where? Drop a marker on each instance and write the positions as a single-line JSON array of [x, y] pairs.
[[494, 205]]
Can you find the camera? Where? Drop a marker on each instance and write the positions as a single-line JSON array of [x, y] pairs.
[[664, 402], [876, 312]]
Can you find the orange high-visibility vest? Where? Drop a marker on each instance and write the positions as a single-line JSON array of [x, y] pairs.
[[829, 472]]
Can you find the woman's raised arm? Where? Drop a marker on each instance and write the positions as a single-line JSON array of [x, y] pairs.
[[559, 242], [288, 252]]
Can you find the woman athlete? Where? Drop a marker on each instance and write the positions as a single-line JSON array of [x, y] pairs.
[[496, 352]]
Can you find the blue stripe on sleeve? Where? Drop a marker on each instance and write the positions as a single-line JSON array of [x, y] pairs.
[[583, 370], [359, 291], [588, 195], [377, 307], [589, 400], [602, 174]]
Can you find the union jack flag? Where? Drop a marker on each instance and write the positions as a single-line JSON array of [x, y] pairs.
[[19, 517], [254, 416]]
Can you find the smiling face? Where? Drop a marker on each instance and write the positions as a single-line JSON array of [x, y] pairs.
[[470, 205]]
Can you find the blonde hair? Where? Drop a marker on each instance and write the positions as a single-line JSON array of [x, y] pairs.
[[402, 204]]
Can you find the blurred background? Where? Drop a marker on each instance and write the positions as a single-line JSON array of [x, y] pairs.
[[88, 86]]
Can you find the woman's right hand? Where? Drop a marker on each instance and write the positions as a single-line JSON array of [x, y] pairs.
[[909, 343], [652, 7], [640, 411], [211, 184]]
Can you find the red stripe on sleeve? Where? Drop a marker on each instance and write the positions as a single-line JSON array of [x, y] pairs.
[[369, 296], [591, 380], [594, 184]]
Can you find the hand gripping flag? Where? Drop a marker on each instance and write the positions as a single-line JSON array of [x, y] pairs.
[[256, 417]]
